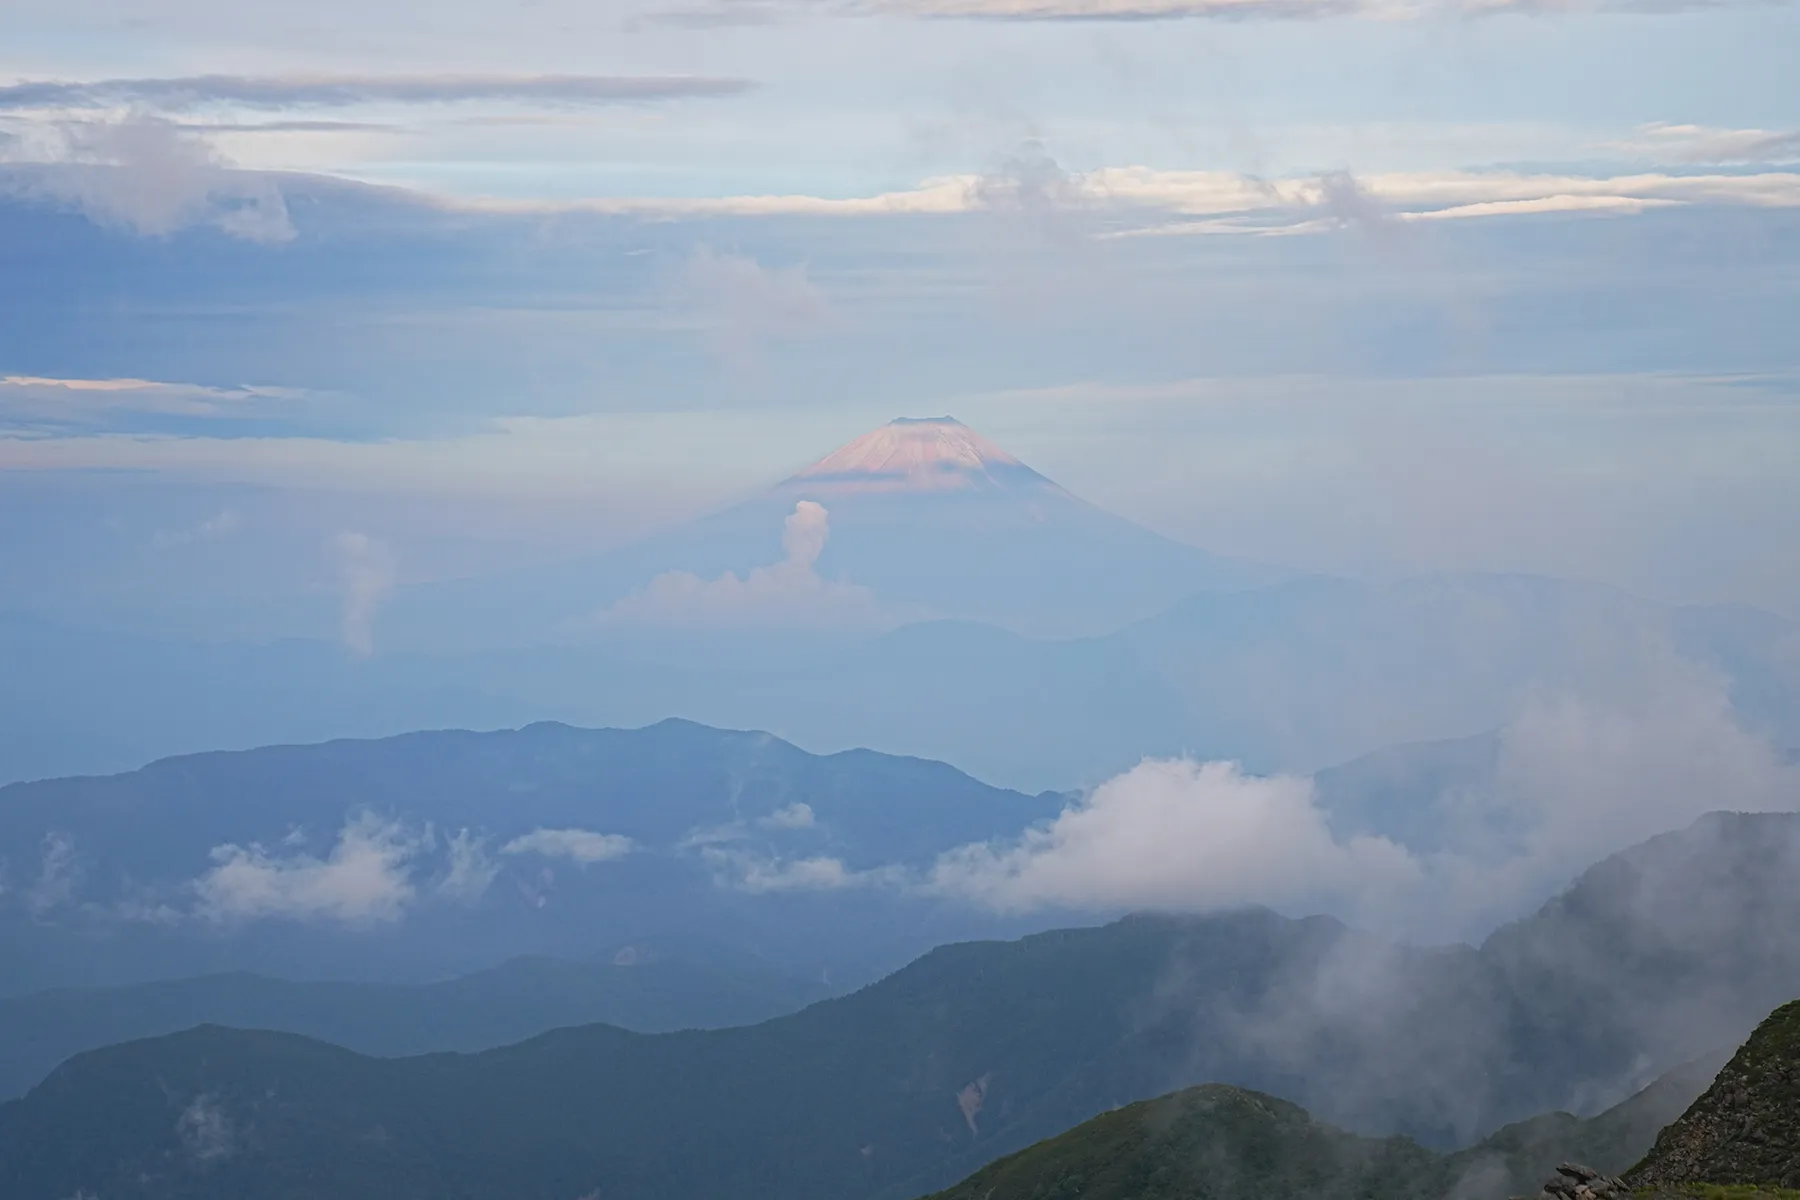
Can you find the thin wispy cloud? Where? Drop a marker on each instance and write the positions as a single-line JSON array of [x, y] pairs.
[[1268, 10], [1667, 142], [33, 400], [366, 567], [275, 92]]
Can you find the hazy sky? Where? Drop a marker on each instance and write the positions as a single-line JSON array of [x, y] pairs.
[[1368, 286]]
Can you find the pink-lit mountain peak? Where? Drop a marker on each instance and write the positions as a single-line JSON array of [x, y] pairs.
[[918, 454]]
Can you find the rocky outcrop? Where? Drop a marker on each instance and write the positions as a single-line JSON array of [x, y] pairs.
[[1745, 1129], [1575, 1182]]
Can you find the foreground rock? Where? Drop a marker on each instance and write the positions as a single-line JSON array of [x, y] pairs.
[[1744, 1130], [1575, 1182]]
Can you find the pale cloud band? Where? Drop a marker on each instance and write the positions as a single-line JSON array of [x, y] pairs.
[[1230, 202], [32, 399], [720, 13], [342, 91]]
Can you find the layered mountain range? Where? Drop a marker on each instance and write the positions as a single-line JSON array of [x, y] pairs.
[[974, 1051]]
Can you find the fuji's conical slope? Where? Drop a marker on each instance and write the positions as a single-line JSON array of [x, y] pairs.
[[925, 517], [939, 522]]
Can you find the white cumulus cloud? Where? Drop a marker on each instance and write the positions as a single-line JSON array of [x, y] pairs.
[[58, 878], [581, 845], [789, 592], [750, 872], [1574, 781], [1175, 834], [470, 871], [366, 879], [797, 815]]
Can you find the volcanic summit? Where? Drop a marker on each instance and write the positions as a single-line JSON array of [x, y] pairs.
[[917, 454]]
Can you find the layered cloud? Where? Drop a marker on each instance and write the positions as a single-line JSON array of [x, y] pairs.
[[1281, 10], [1233, 202], [1667, 142], [32, 401]]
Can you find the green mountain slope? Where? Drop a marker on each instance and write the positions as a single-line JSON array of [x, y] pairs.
[[1745, 1129], [973, 1052], [1217, 1142], [1212, 1142]]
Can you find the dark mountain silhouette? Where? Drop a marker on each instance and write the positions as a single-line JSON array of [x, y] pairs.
[[638, 988], [973, 1052], [109, 867]]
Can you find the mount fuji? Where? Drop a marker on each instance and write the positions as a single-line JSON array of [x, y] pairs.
[[920, 519]]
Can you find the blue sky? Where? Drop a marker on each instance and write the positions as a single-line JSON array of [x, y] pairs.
[[1369, 287]]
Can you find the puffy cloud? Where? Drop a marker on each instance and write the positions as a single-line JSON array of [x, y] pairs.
[[797, 815], [365, 880], [1029, 180], [581, 845], [148, 175], [205, 1130], [471, 871], [787, 592], [743, 303], [1174, 834], [366, 567], [1574, 781], [58, 878], [338, 91]]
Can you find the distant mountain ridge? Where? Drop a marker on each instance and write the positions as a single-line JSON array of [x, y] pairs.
[[707, 828], [642, 991]]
